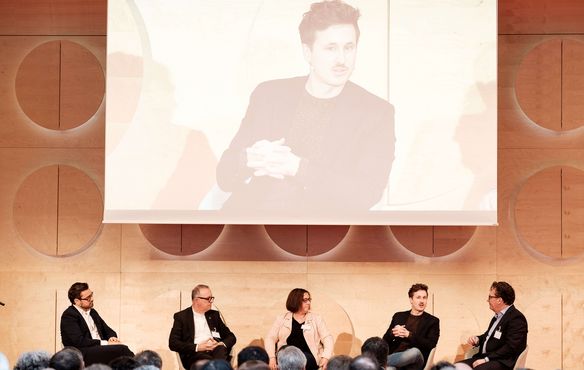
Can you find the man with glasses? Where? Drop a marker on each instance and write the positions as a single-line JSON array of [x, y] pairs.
[[84, 329], [505, 338], [198, 332]]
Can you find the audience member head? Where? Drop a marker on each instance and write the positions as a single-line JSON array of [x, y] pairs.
[[254, 365], [149, 357], [198, 365], [291, 358], [217, 365], [325, 14], [339, 362], [34, 360], [147, 367], [124, 363], [252, 353], [364, 362], [504, 291], [443, 365], [377, 348], [4, 364], [98, 367], [69, 358]]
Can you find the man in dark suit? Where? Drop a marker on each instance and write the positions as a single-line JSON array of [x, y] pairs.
[[198, 332], [412, 334], [506, 336], [84, 329]]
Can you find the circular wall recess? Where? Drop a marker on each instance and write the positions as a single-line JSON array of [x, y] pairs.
[[549, 84], [60, 85], [181, 240], [304, 240], [433, 241], [548, 214], [58, 210]]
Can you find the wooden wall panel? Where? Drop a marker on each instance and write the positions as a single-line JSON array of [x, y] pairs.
[[53, 17], [17, 129], [359, 283], [540, 16]]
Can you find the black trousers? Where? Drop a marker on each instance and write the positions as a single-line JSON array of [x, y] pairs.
[[104, 354]]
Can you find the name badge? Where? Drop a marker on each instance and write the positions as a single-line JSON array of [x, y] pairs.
[[215, 334], [497, 334], [306, 327]]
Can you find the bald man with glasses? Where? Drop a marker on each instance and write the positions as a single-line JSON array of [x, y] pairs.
[[198, 332]]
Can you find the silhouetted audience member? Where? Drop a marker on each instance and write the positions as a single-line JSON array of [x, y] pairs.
[[149, 357], [69, 358], [33, 360], [217, 364], [443, 365], [124, 363], [378, 348], [364, 362], [147, 367], [340, 362], [254, 365], [98, 367], [252, 353], [291, 358]]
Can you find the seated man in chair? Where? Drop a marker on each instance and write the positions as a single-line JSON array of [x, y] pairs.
[[84, 329]]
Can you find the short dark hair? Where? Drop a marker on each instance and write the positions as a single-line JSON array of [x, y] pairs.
[[149, 357], [250, 353], [69, 358], [378, 348], [196, 290], [34, 360], [505, 291], [324, 14], [124, 363], [364, 362], [217, 364], [294, 300], [75, 291], [254, 365], [442, 365], [418, 286], [339, 362]]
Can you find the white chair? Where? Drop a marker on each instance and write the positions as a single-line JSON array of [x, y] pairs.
[[520, 363], [430, 361]]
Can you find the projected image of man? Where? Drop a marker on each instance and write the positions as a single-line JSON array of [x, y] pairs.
[[313, 143]]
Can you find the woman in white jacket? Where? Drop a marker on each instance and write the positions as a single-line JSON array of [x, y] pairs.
[[303, 329]]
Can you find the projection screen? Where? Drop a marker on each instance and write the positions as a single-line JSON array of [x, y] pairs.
[[219, 112]]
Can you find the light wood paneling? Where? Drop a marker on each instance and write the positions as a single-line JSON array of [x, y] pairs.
[[572, 84], [516, 128], [538, 212], [538, 84], [17, 129]]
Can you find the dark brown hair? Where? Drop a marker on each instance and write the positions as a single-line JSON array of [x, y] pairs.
[[416, 287], [324, 14], [294, 301]]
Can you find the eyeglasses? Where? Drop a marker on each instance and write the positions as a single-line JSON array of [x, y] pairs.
[[306, 300], [492, 297], [210, 299], [88, 298]]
